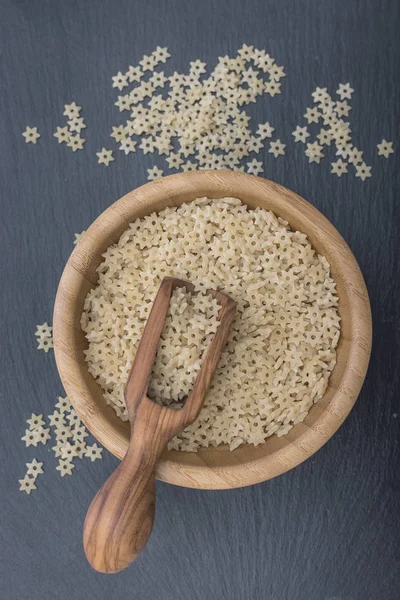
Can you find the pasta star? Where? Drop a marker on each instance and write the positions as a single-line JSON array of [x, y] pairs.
[[30, 438], [314, 153], [118, 133], [42, 435], [254, 167], [134, 74], [56, 419], [363, 171], [120, 81], [45, 344], [62, 134], [104, 157], [300, 134], [34, 468], [78, 237], [265, 130], [154, 173], [161, 54], [31, 135], [63, 404], [385, 148], [35, 421], [128, 145], [93, 452], [189, 166], [197, 67], [344, 91], [312, 115], [65, 467], [76, 142], [72, 110], [27, 484], [148, 62], [76, 124], [320, 94], [339, 167], [277, 148]]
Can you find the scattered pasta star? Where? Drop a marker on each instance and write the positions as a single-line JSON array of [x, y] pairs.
[[339, 167], [277, 148], [62, 134], [104, 157], [76, 142], [134, 74], [385, 148], [63, 404], [314, 152], [118, 133], [65, 467], [161, 54], [35, 421], [27, 484], [30, 438], [34, 468], [56, 419], [42, 435], [45, 344], [31, 135], [363, 171], [312, 115], [344, 91], [93, 452], [72, 110], [300, 134], [254, 167], [189, 166], [320, 94], [154, 173], [76, 124], [128, 145], [120, 81], [78, 237]]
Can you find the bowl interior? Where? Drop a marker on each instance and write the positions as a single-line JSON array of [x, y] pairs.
[[216, 467]]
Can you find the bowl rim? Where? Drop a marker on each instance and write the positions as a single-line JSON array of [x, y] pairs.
[[173, 467]]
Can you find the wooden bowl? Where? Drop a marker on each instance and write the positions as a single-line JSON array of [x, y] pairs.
[[216, 468]]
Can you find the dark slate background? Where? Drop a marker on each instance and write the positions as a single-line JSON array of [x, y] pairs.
[[329, 530]]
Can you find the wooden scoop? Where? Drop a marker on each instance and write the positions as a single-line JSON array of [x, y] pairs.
[[121, 515]]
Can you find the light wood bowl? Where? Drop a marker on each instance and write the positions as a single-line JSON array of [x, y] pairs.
[[216, 468]]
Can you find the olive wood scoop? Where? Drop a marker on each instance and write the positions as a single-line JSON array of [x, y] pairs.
[[120, 518]]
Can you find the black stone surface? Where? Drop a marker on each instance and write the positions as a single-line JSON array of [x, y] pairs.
[[328, 530]]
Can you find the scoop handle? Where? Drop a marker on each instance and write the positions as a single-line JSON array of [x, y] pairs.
[[120, 518]]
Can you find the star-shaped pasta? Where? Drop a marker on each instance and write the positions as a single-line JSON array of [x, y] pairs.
[[128, 145], [45, 344], [314, 152], [78, 236], [255, 167], [363, 171], [154, 173], [76, 142], [344, 91], [35, 421], [56, 419], [104, 157], [385, 148], [65, 467], [76, 124], [93, 452], [277, 148], [134, 74], [300, 134], [31, 135], [120, 81], [62, 134], [161, 54], [30, 438], [42, 435], [72, 110], [34, 468], [27, 484], [312, 115], [339, 167], [189, 166], [63, 404]]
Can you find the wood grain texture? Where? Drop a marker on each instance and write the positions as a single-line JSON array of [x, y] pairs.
[[120, 518], [216, 468], [329, 529]]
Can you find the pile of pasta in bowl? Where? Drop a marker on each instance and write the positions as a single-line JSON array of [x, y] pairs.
[[282, 345]]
